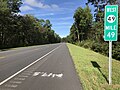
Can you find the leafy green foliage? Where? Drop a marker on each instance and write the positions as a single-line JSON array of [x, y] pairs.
[[83, 20], [100, 7], [88, 33], [17, 30], [14, 5], [81, 26]]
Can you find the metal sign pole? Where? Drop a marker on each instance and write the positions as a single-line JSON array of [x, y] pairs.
[[110, 62]]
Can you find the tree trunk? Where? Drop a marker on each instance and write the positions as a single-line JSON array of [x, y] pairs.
[[78, 36]]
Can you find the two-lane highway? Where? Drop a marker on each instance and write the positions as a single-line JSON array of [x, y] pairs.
[[46, 67]]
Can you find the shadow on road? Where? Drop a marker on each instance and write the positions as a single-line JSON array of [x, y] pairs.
[[96, 65], [5, 49]]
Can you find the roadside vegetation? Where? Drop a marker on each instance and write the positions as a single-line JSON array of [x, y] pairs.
[[88, 30], [92, 69], [23, 30]]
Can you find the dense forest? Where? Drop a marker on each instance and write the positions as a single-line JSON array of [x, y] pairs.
[[88, 30], [17, 30]]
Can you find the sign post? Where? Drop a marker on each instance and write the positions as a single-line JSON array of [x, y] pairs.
[[110, 62], [111, 31]]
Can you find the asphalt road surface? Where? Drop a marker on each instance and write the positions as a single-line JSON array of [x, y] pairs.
[[44, 67]]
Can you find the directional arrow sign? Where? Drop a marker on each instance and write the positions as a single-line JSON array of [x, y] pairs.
[[111, 23]]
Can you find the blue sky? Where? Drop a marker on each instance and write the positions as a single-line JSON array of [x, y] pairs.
[[59, 12]]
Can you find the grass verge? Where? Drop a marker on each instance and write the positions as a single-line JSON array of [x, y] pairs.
[[92, 69]]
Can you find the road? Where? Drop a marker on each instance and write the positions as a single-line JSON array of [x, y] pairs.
[[44, 67]]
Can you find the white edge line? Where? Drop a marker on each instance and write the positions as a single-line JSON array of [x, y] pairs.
[[27, 66]]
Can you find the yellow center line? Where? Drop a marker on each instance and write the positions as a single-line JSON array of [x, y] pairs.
[[2, 57]]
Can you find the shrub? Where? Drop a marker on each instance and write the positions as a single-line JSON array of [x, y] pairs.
[[96, 47], [105, 48], [116, 51], [102, 48]]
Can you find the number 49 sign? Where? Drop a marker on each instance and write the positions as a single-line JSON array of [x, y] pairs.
[[111, 23]]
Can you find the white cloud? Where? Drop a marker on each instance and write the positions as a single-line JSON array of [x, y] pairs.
[[40, 4], [66, 18], [26, 8], [44, 14], [54, 6], [62, 19]]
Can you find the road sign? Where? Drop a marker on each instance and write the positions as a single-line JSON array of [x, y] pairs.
[[111, 23], [110, 31]]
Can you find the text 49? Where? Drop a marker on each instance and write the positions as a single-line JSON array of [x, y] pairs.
[[111, 35]]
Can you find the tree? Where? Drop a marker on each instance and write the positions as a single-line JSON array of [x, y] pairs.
[[74, 35], [14, 5], [8, 8], [17, 30], [47, 24], [83, 20], [4, 13], [100, 7]]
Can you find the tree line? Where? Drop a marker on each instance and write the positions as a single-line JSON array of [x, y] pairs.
[[18, 30], [88, 30]]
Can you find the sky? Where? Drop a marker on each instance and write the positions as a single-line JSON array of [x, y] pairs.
[[59, 12]]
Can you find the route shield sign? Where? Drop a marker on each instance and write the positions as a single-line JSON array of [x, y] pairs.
[[111, 23]]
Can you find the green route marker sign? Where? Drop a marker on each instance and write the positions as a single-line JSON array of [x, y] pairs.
[[111, 23], [111, 31]]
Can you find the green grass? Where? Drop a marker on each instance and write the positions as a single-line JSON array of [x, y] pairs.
[[94, 78]]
